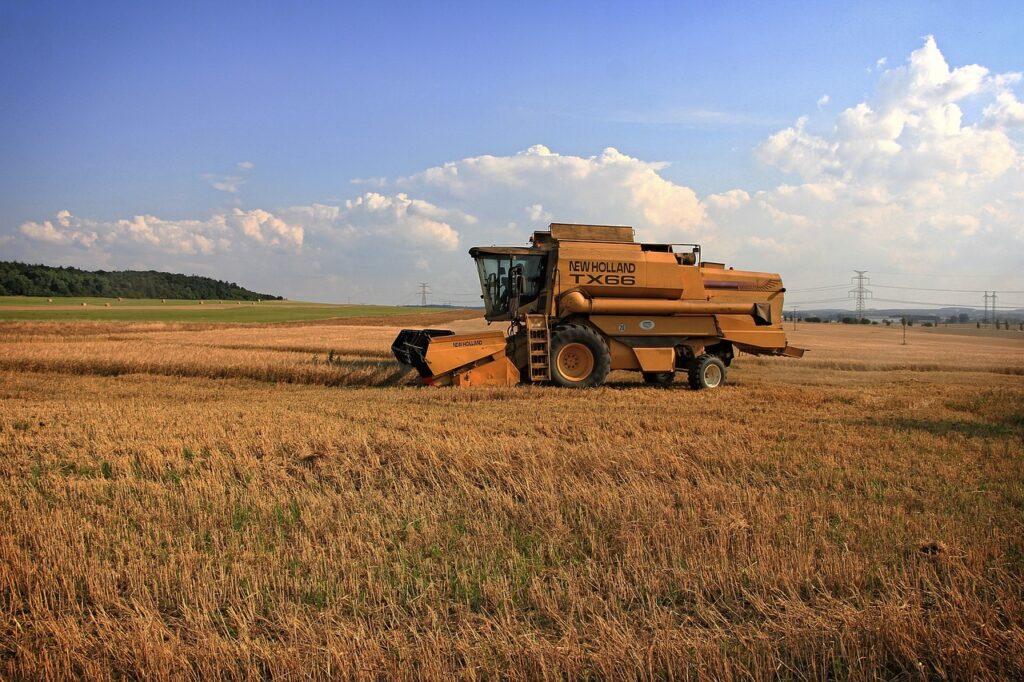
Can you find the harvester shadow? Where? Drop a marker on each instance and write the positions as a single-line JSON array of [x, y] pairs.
[[946, 427], [679, 386], [340, 373]]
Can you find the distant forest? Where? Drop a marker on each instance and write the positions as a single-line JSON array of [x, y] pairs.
[[21, 279]]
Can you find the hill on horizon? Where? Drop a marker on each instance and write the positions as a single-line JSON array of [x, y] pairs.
[[23, 279]]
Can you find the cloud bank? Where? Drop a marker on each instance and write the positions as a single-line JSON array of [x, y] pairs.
[[925, 175]]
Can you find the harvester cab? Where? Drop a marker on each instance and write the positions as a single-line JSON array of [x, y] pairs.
[[583, 300], [510, 278]]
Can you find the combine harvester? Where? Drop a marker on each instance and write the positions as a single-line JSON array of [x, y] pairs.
[[583, 300]]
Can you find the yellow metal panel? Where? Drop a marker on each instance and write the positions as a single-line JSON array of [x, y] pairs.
[[623, 356], [693, 283], [446, 353], [742, 330], [655, 325], [793, 352], [656, 359], [499, 372], [605, 269]]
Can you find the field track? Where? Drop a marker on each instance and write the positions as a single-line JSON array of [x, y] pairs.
[[223, 501]]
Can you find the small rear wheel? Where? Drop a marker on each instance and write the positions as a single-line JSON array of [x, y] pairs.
[[707, 371], [659, 379]]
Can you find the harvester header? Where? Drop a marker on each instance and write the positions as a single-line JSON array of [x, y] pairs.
[[583, 300]]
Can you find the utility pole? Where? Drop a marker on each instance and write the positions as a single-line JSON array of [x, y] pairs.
[[796, 313], [984, 317], [860, 281], [424, 290], [994, 310]]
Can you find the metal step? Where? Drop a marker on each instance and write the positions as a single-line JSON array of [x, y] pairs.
[[538, 340]]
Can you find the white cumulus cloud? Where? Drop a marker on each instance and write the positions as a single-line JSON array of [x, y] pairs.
[[904, 178], [374, 218], [220, 233], [611, 187]]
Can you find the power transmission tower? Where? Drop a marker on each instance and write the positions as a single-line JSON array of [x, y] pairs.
[[860, 281], [424, 290], [993, 297], [985, 314]]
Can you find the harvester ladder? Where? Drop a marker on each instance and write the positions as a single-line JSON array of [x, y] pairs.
[[538, 341]]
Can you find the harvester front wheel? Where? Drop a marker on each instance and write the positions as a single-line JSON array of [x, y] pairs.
[[707, 371], [659, 379], [580, 357]]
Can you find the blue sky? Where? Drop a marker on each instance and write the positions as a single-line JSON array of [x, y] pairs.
[[128, 109]]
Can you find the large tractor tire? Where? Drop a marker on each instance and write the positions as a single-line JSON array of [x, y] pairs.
[[659, 379], [707, 371], [579, 357]]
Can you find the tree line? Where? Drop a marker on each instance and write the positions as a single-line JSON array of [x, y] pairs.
[[22, 279]]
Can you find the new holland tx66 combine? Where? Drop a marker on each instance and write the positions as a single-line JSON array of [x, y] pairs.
[[586, 299]]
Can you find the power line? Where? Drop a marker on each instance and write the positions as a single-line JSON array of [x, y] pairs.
[[1010, 306], [946, 275], [825, 300], [955, 291], [945, 305], [457, 294], [824, 288]]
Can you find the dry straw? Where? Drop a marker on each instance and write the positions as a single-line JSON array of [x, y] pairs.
[[246, 503]]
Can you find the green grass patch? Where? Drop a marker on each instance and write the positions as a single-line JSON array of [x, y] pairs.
[[155, 310]]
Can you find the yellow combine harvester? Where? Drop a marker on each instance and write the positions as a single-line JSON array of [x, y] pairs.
[[583, 300]]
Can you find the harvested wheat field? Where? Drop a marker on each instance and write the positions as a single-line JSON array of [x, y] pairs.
[[244, 503]]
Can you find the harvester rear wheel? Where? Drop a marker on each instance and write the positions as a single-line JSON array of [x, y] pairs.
[[580, 357], [707, 371], [659, 379]]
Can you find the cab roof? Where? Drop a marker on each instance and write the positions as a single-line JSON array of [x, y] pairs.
[[580, 232]]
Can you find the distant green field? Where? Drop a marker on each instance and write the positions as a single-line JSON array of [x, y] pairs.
[[41, 301], [154, 310]]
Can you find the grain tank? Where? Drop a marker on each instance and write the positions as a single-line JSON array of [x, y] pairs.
[[583, 300]]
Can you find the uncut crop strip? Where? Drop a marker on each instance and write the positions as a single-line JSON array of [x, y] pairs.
[[113, 358]]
